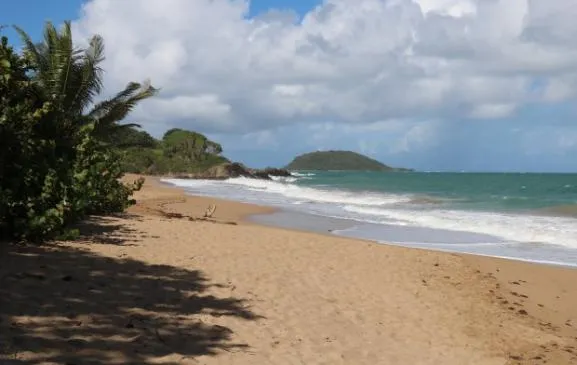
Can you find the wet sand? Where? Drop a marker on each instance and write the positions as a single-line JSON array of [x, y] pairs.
[[161, 285]]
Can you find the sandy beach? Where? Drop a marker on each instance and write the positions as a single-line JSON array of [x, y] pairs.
[[158, 285]]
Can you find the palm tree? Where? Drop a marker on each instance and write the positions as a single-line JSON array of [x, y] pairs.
[[71, 79]]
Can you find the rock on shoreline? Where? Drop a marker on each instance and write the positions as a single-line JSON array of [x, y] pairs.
[[234, 169]]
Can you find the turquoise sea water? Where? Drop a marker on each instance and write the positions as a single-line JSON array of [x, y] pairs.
[[524, 193], [523, 216]]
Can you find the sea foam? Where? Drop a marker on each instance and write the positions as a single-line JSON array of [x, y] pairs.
[[374, 207]]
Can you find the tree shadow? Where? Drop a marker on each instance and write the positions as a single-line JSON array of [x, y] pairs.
[[109, 231], [71, 306]]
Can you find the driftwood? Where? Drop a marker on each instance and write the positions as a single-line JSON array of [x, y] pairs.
[[210, 211], [203, 219]]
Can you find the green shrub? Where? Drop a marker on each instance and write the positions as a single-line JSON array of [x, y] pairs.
[[137, 160], [54, 170]]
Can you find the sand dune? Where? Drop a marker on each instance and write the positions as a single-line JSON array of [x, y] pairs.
[[158, 286]]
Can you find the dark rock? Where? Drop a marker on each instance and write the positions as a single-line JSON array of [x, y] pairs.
[[220, 172], [260, 174], [268, 172], [271, 171], [234, 169]]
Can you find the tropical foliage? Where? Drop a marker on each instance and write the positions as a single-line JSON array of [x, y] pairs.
[[58, 162], [70, 78], [178, 152]]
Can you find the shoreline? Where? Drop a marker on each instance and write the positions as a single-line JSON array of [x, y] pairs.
[[449, 241], [236, 211], [161, 285], [504, 269], [261, 219]]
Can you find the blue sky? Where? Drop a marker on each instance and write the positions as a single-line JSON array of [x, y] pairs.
[[299, 6], [401, 81], [31, 14]]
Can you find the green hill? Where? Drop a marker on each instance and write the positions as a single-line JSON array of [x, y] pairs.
[[337, 160], [178, 152]]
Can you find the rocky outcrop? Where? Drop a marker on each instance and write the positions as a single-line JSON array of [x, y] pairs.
[[270, 171], [234, 169], [219, 172]]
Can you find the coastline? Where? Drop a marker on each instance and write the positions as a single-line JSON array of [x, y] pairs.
[[159, 196], [277, 296], [313, 204]]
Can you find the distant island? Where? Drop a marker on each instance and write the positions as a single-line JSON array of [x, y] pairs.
[[338, 160]]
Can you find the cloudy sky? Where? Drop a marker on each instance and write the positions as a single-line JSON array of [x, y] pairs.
[[429, 84]]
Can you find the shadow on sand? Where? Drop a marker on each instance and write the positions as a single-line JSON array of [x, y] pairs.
[[70, 306]]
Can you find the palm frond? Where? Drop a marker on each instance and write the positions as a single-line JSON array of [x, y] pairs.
[[124, 101], [128, 125], [89, 74], [71, 78], [108, 113], [31, 49], [105, 106]]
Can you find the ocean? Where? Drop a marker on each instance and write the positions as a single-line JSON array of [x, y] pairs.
[[525, 216]]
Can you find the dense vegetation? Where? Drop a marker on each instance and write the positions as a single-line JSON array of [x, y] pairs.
[[337, 160], [57, 160], [178, 152], [62, 153]]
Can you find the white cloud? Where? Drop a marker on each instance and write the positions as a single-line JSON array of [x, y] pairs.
[[347, 61], [201, 107], [561, 89], [455, 8], [420, 136]]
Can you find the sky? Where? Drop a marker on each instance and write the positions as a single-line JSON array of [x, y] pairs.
[[436, 85]]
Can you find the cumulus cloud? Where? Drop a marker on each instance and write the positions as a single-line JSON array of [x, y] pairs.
[[354, 62], [440, 84]]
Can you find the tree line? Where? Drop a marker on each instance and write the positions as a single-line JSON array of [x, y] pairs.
[[179, 151]]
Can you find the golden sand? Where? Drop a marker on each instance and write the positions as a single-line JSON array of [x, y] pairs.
[[161, 286]]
